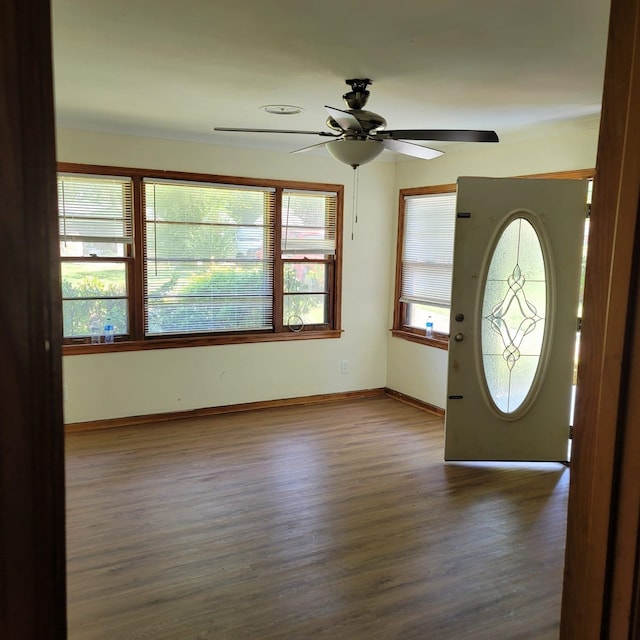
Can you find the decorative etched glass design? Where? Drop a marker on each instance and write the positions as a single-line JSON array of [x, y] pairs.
[[513, 315]]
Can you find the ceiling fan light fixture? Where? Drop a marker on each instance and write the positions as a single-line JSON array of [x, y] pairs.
[[355, 151], [282, 109]]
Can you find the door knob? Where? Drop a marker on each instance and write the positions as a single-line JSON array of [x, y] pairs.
[[459, 337]]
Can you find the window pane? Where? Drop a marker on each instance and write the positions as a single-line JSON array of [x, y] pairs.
[[171, 278], [168, 240], [78, 316], [171, 315], [95, 208], [418, 313], [185, 297], [93, 292], [79, 249], [93, 279], [310, 308], [426, 283], [304, 277], [308, 223], [514, 315], [209, 257], [427, 249]]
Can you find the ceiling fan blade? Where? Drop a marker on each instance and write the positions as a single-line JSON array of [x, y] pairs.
[[313, 146], [410, 149], [445, 135], [346, 120], [310, 133]]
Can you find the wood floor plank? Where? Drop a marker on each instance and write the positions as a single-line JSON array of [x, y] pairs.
[[338, 521]]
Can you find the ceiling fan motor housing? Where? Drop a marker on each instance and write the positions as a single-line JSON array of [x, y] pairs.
[[368, 120]]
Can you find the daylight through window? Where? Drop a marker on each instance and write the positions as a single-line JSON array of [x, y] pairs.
[[427, 223], [164, 258]]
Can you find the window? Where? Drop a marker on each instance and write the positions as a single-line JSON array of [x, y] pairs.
[[171, 258], [308, 249], [96, 236], [208, 258], [425, 261]]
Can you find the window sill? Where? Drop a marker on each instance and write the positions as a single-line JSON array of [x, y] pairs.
[[196, 341], [439, 340]]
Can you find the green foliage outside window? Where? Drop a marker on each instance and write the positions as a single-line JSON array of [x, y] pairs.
[[209, 300], [307, 282], [208, 258], [90, 300]]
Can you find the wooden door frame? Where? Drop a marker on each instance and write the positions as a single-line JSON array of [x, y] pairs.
[[32, 552], [600, 585], [601, 593]]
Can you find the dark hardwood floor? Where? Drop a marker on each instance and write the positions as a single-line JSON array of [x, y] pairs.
[[332, 521]]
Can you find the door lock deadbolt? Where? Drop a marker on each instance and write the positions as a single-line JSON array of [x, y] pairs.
[[459, 317]]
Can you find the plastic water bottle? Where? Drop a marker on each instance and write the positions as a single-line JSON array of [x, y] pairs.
[[109, 332], [429, 327], [96, 332]]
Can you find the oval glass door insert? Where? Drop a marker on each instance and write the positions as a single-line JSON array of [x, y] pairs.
[[514, 305]]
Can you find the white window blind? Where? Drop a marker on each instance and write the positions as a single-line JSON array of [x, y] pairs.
[[208, 257], [309, 223], [95, 209], [427, 252]]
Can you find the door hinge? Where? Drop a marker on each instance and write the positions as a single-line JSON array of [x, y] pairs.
[[579, 325], [588, 210], [570, 432]]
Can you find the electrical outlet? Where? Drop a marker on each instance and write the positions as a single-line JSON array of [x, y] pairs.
[[344, 366]]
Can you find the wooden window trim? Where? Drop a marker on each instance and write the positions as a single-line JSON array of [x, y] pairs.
[[136, 299], [198, 341], [137, 341], [441, 340], [438, 340]]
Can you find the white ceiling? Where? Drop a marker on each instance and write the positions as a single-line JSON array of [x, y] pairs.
[[176, 69]]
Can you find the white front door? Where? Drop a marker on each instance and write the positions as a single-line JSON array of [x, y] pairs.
[[514, 305]]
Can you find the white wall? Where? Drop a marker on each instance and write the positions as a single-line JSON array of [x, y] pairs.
[[421, 371], [136, 383]]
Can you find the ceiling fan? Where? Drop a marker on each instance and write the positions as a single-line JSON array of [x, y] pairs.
[[359, 136]]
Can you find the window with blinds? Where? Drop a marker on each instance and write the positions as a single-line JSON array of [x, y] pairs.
[[308, 248], [208, 257], [96, 236], [427, 252], [171, 258], [426, 261]]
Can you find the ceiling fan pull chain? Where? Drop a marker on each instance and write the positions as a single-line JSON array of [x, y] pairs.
[[354, 203], [357, 190]]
